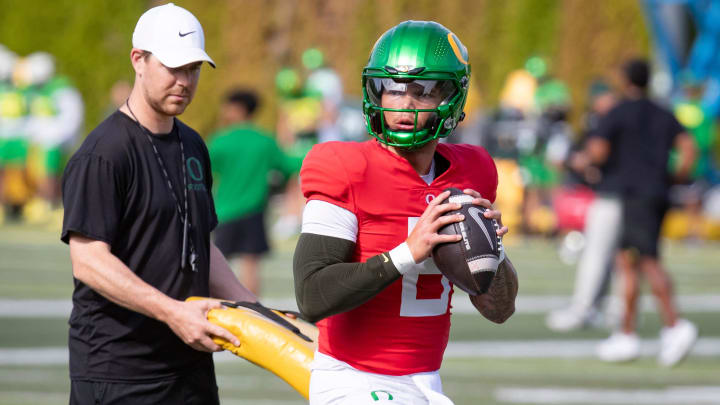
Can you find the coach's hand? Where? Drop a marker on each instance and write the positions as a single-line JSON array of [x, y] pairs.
[[424, 235], [188, 319]]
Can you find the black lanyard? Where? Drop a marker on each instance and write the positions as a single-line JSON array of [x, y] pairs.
[[184, 219]]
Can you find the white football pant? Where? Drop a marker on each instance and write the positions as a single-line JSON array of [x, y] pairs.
[[602, 233], [334, 382]]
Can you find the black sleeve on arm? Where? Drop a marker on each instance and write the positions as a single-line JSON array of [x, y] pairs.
[[326, 283], [92, 198], [607, 126]]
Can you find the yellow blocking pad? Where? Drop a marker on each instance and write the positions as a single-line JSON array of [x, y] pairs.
[[268, 344]]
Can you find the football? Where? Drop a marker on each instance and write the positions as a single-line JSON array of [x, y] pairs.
[[471, 262]]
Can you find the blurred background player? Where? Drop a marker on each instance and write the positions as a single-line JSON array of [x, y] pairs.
[[694, 113], [634, 141], [313, 109], [543, 150], [9, 110], [14, 184], [324, 84], [55, 118], [299, 114], [529, 136], [243, 156], [602, 223]]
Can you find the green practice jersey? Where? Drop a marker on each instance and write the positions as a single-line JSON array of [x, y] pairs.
[[242, 157]]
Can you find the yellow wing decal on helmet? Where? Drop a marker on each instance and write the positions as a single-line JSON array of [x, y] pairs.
[[455, 45]]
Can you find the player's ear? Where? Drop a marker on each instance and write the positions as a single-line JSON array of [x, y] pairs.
[[139, 58]]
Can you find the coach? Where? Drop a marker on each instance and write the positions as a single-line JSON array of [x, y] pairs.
[[138, 215]]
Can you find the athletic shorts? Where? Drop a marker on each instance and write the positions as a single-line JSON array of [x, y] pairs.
[[642, 220], [244, 235], [333, 382], [196, 388]]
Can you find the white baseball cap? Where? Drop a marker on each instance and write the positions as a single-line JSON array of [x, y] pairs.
[[172, 34]]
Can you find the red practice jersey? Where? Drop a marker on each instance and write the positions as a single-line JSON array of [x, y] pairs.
[[404, 329]]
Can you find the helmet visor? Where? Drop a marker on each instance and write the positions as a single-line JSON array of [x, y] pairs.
[[412, 94]]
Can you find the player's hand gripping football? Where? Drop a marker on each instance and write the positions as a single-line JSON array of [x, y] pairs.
[[490, 213], [425, 235], [188, 319]]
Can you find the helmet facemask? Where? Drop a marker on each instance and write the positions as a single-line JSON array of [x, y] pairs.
[[409, 112]]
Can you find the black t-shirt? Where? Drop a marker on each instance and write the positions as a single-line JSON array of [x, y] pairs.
[[114, 191], [641, 135]]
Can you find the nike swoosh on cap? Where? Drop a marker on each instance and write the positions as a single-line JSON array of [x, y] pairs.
[[187, 33]]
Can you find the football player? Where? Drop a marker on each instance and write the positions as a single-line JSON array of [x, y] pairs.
[[362, 266]]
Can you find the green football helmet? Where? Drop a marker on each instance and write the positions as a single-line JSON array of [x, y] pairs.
[[418, 60]]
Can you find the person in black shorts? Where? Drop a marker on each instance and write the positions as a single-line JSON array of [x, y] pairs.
[[633, 144], [244, 235], [138, 217], [244, 156]]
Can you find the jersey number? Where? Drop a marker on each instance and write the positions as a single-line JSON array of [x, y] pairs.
[[410, 304]]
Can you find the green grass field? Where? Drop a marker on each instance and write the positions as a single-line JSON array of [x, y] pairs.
[[34, 265]]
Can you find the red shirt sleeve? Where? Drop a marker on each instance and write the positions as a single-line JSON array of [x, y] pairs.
[[323, 176]]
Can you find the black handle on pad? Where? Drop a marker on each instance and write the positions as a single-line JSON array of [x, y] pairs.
[[268, 313]]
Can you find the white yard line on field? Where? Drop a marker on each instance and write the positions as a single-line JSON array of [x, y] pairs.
[[471, 349], [564, 395], [536, 304], [559, 348]]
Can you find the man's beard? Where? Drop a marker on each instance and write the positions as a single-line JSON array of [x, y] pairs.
[[165, 108]]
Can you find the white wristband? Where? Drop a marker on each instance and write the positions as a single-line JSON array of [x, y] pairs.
[[402, 258]]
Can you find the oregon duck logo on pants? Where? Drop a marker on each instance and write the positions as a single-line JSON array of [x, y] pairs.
[[375, 397]]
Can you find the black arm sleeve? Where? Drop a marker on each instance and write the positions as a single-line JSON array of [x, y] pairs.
[[326, 283]]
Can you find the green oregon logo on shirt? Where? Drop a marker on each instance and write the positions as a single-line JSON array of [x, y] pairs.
[[194, 169]]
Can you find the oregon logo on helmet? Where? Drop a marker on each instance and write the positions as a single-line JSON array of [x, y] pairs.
[[455, 45], [419, 60]]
